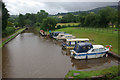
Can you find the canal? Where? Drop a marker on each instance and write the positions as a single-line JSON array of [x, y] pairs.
[[31, 56]]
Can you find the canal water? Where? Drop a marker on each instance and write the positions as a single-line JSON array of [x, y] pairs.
[[30, 55]]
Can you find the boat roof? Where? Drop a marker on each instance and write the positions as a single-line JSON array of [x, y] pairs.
[[98, 46], [84, 44], [58, 32], [83, 47], [78, 39], [67, 34]]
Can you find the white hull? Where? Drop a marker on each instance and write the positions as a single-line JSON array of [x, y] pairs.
[[88, 55]]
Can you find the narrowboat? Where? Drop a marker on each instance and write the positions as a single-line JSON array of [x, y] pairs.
[[70, 43], [43, 33], [86, 50]]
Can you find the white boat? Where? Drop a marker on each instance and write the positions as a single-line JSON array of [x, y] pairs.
[[87, 51], [59, 34], [64, 36], [70, 43]]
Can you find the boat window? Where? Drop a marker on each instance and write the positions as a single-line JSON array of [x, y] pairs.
[[95, 50], [67, 42], [56, 34], [72, 43], [77, 47], [68, 36], [82, 41], [61, 35], [84, 48], [101, 49], [88, 47]]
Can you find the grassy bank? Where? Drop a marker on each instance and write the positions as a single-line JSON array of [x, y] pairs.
[[107, 73], [11, 37], [100, 36]]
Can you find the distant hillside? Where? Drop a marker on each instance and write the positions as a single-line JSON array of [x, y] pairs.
[[75, 13], [14, 16], [92, 10]]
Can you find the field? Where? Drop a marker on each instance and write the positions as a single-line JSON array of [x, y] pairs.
[[96, 36], [71, 24]]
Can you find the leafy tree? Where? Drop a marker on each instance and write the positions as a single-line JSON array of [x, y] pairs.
[[48, 23], [41, 15], [81, 18], [5, 16], [90, 19], [37, 24], [106, 15], [68, 18], [28, 22], [21, 20]]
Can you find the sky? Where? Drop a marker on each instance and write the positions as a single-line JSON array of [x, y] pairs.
[[16, 7]]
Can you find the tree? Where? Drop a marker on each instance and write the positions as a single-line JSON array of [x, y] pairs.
[[90, 19], [21, 20], [81, 18], [106, 15], [5, 16], [68, 18], [48, 23], [41, 15], [28, 22]]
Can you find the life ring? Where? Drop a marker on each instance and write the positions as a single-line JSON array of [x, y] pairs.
[[109, 46]]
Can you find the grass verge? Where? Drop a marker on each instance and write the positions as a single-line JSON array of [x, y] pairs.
[[106, 73], [11, 37]]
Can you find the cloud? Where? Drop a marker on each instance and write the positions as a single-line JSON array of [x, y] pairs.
[[33, 6]]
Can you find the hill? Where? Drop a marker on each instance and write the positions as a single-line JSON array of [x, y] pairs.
[[92, 10]]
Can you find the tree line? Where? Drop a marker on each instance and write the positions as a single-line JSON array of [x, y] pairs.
[[103, 18], [40, 19]]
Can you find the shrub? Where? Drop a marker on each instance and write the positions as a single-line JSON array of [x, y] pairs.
[[8, 31]]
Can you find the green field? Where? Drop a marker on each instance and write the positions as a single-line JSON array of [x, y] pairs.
[[71, 24], [99, 35]]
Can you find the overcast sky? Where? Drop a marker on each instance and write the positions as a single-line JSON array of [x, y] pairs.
[[54, 6]]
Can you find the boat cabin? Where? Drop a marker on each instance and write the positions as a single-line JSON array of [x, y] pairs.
[[86, 50], [83, 47], [70, 43], [65, 36], [54, 34]]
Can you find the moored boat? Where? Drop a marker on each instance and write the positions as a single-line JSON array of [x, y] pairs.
[[43, 33], [70, 43], [55, 34], [87, 51], [64, 36]]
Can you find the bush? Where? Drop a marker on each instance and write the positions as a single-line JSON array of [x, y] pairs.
[[8, 31], [58, 26], [37, 24]]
